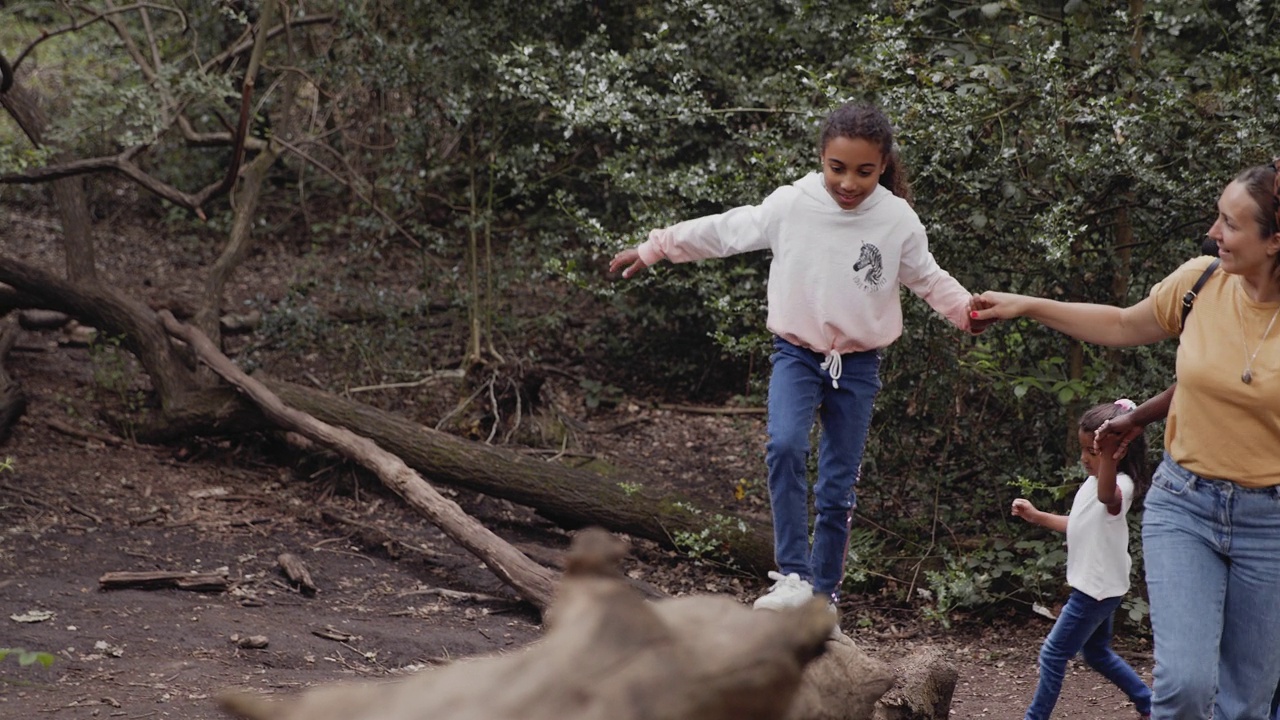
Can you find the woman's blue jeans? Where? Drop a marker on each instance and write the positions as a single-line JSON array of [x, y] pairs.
[[799, 389], [1084, 626], [1212, 555]]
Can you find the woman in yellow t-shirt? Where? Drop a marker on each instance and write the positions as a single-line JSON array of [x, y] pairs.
[[1211, 528]]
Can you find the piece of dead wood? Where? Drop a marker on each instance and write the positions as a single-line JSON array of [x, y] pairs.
[[83, 434], [925, 682], [297, 572], [155, 580], [531, 581], [23, 348], [332, 633], [35, 319]]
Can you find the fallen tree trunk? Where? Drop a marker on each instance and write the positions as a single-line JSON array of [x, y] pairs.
[[530, 580], [573, 498]]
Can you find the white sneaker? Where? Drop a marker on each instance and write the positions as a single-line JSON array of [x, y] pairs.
[[788, 591]]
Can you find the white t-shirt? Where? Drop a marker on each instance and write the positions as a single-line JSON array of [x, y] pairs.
[[1098, 561]]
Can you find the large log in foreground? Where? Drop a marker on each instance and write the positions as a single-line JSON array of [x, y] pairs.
[[574, 498], [609, 655]]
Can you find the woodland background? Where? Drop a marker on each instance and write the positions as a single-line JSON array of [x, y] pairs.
[[503, 150]]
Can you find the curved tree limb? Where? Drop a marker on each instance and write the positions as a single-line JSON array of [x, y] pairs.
[[111, 312], [532, 581]]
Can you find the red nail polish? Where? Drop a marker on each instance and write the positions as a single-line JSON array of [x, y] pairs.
[[973, 314]]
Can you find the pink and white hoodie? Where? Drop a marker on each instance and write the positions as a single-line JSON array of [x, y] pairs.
[[833, 282]]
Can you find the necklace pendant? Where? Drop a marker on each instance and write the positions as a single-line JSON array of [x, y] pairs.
[[1246, 377]]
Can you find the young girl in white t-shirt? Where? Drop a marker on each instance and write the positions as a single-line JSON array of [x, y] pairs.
[[1098, 563]]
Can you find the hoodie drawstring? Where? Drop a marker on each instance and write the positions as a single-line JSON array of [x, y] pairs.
[[834, 367]]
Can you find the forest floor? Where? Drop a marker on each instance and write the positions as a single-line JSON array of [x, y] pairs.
[[79, 503]]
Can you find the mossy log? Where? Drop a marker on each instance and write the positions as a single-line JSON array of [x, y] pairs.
[[570, 497]]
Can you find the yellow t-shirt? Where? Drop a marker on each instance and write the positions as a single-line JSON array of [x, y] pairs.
[[1220, 427]]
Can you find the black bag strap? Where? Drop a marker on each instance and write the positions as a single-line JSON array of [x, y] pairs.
[[1190, 297]]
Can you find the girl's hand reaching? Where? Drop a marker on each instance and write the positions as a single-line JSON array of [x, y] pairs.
[[628, 261], [1022, 508], [991, 306]]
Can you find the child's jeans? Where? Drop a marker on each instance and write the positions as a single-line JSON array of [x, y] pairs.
[[1084, 626], [798, 389], [1212, 554]]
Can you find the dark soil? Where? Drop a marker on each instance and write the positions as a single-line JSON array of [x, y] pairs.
[[78, 504]]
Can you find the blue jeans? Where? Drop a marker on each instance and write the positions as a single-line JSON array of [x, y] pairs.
[[1212, 554], [1084, 626], [799, 389]]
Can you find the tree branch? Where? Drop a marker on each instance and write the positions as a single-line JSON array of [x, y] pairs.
[[247, 45], [74, 26]]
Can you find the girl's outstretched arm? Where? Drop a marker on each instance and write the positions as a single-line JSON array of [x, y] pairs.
[[1096, 324], [1024, 509]]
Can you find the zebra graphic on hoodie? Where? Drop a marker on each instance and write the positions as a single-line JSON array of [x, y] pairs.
[[873, 278]]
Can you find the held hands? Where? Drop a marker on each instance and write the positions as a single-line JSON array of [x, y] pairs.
[[1113, 436], [628, 261], [991, 306], [1023, 508], [977, 325]]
